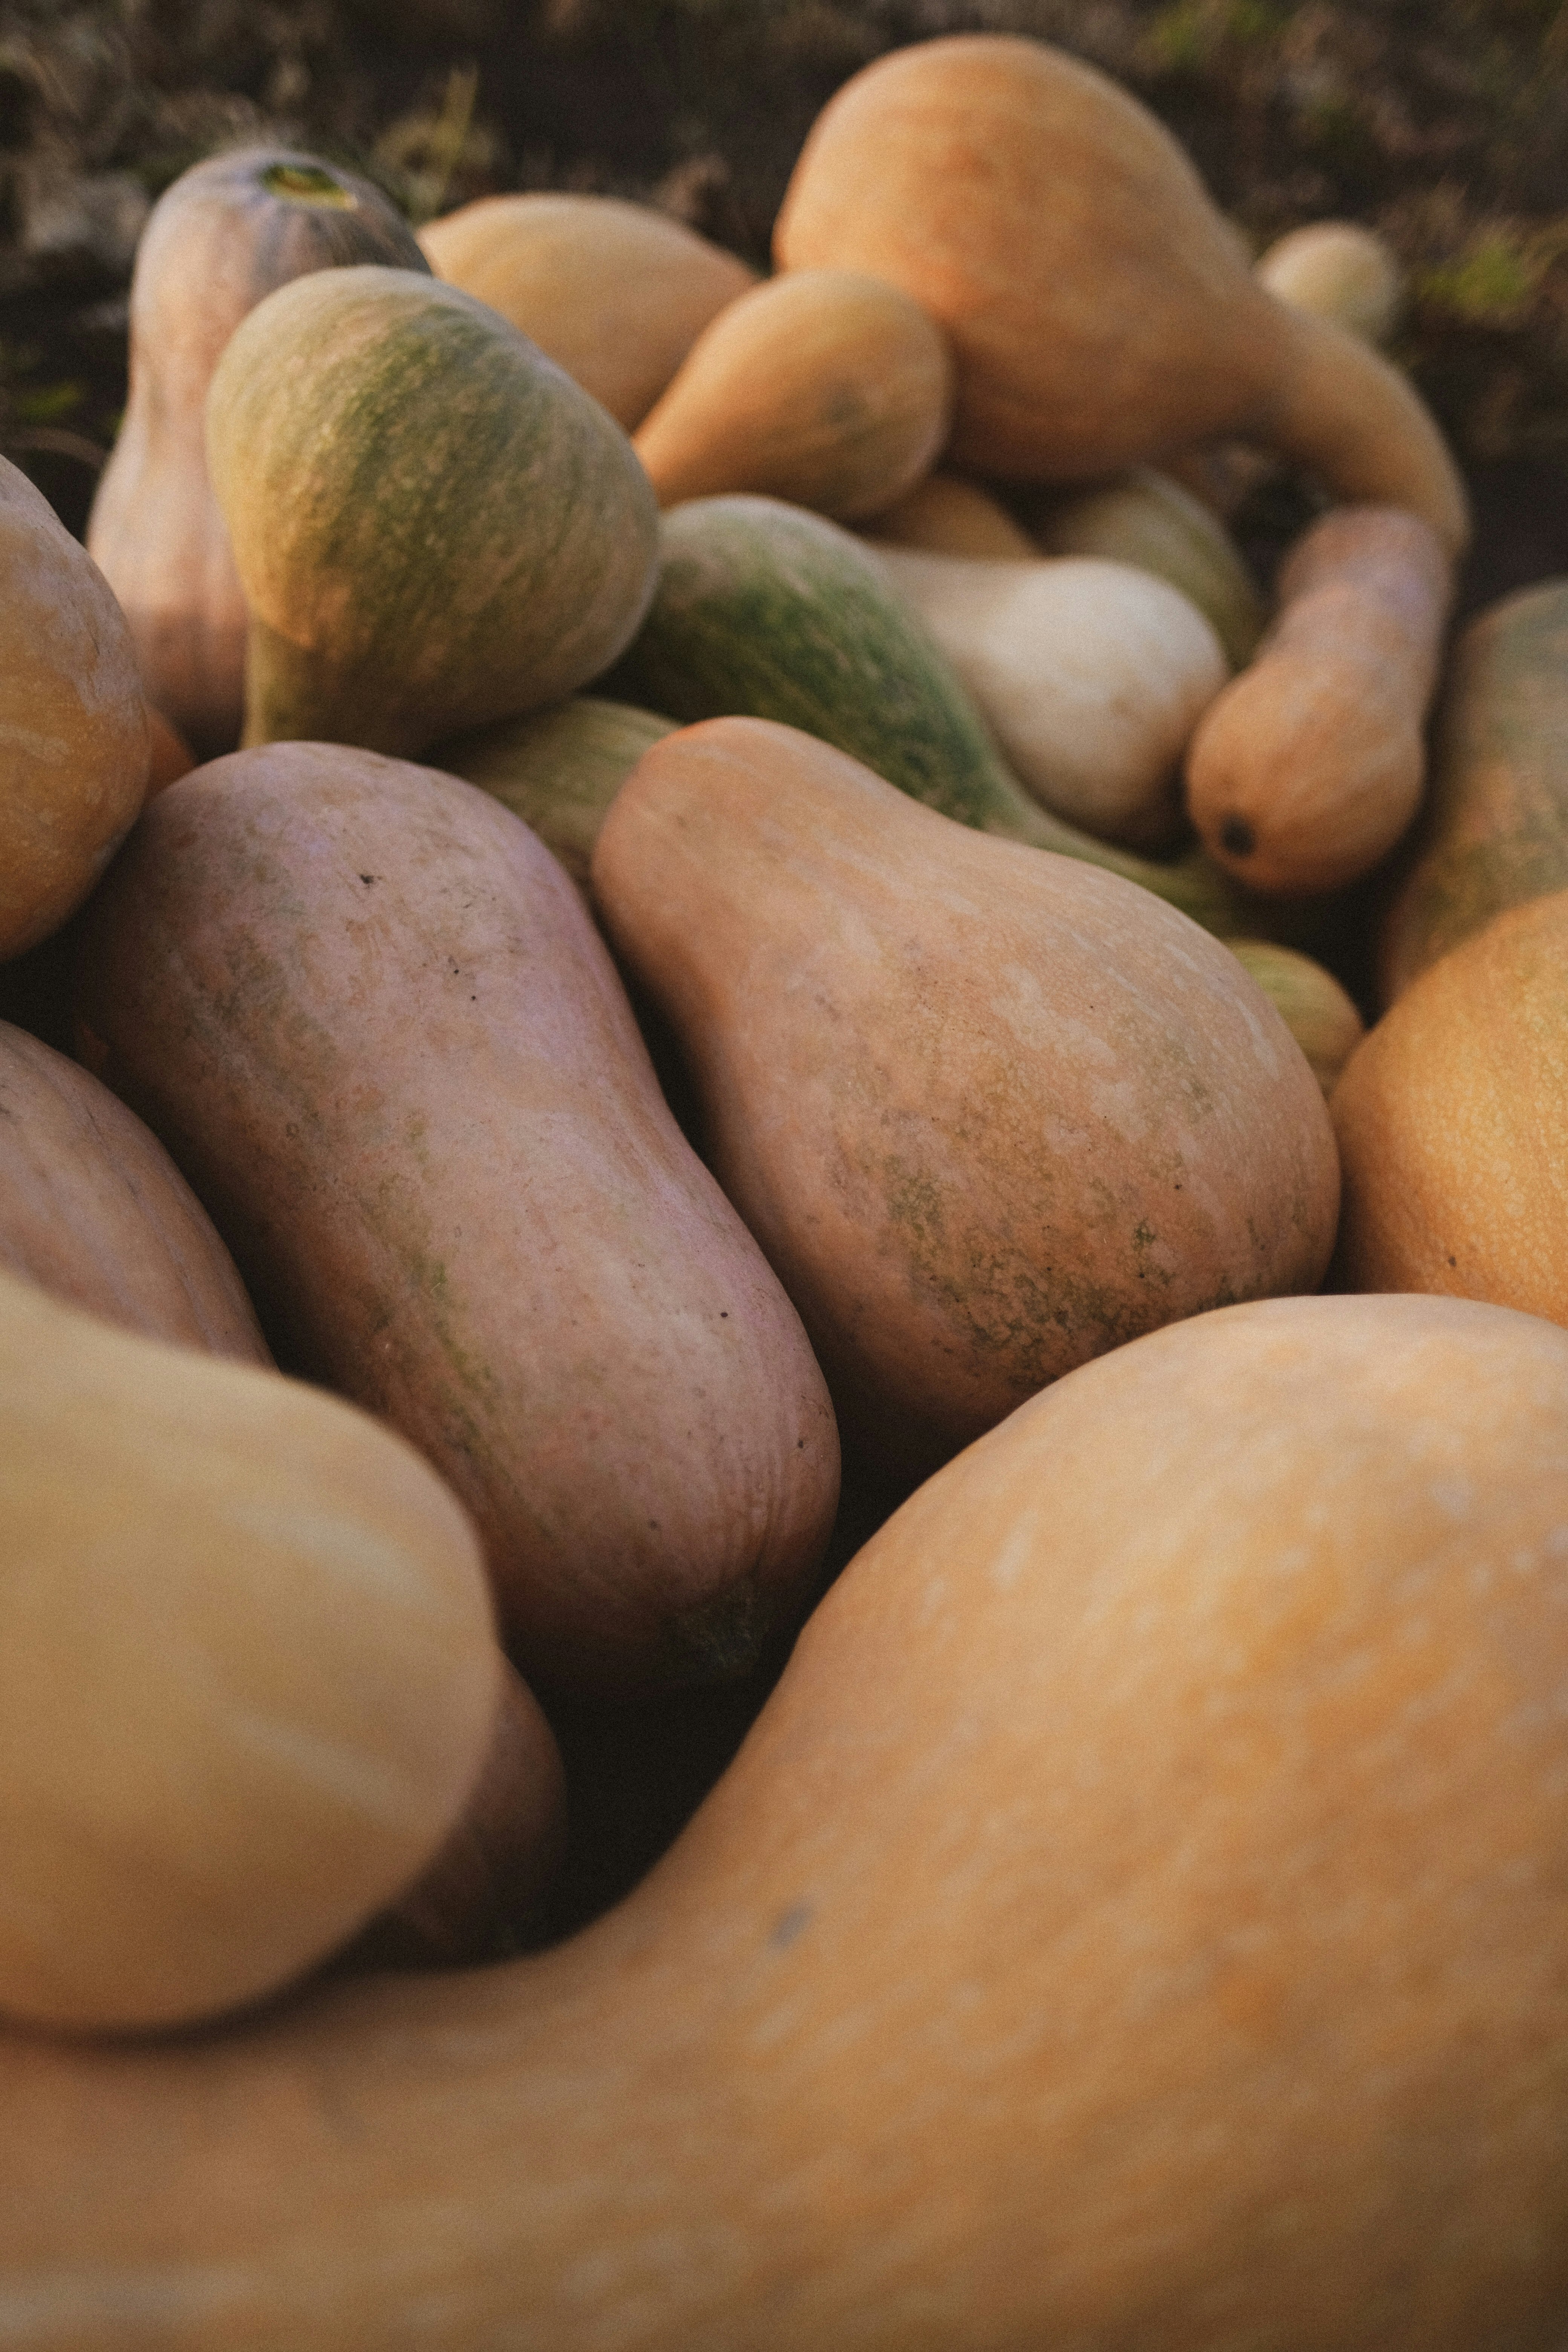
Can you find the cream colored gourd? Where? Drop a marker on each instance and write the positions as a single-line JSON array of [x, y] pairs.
[[616, 293], [1310, 767], [1149, 520], [247, 1672], [434, 527], [1091, 675], [1339, 270], [946, 515], [1135, 1919], [74, 754], [1101, 311], [219, 238], [559, 769], [826, 387], [1320, 1013]]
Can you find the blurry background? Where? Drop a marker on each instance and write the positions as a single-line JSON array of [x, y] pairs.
[[1443, 122]]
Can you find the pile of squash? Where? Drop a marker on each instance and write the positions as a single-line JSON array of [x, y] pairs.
[[649, 912]]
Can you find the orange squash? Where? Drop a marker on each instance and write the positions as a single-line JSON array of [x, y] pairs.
[[989, 1111], [219, 238], [1101, 311], [1136, 1919]]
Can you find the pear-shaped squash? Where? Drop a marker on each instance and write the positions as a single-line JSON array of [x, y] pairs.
[[434, 527], [219, 238], [1137, 1919], [1149, 520], [247, 1672], [824, 387], [614, 292], [369, 1015], [1101, 311], [989, 1112], [74, 749]]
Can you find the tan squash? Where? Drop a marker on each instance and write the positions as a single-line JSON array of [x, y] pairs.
[[616, 293], [989, 1111], [826, 387], [219, 238], [1137, 1919], [93, 1210], [1495, 828], [247, 1672], [1310, 767], [1101, 311], [1090, 675], [74, 749], [1453, 1123], [1319, 1011], [1338, 270], [559, 769], [369, 1015], [433, 526], [948, 516]]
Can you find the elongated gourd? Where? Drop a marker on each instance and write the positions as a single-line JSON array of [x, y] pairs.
[[219, 238], [247, 1672], [369, 1015], [1310, 765], [1494, 831], [93, 1210], [559, 769], [766, 611], [1091, 675], [1453, 1125], [824, 387], [74, 749], [1137, 1916], [433, 526], [1101, 311], [616, 293], [1149, 520], [989, 1112]]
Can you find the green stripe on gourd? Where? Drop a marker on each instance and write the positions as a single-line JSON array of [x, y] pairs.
[[558, 769]]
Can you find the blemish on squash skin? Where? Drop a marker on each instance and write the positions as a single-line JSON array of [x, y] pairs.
[[789, 1926]]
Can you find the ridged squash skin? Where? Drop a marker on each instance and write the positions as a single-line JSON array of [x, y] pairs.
[[369, 1015], [247, 1672], [1453, 1123], [74, 754], [93, 1210], [1136, 1920], [988, 1111], [434, 525], [558, 769], [1102, 312], [1494, 830], [221, 236]]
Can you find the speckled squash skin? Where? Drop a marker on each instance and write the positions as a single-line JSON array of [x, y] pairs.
[[434, 525], [1135, 1920], [988, 1111], [371, 1017]]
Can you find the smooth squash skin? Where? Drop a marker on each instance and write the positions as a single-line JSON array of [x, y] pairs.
[[616, 293], [74, 749], [949, 516], [1102, 312], [1342, 270], [1136, 1919], [93, 1210], [989, 1112], [433, 526], [1453, 1123], [369, 1015], [219, 238], [1494, 830], [247, 1672], [559, 769]]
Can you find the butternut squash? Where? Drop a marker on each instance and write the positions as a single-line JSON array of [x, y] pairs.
[[948, 516], [1340, 270], [1101, 311], [1091, 675], [433, 525], [247, 1672], [1137, 1919], [1453, 1125], [1494, 831], [93, 1210], [559, 769], [616, 293], [824, 386], [219, 238], [1149, 520], [74, 750], [1310, 766], [370, 1016], [989, 1112]]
